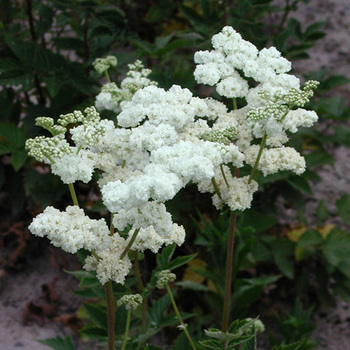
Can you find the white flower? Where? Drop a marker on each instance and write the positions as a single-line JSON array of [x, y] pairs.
[[71, 230], [74, 167], [300, 117], [150, 137], [110, 266], [156, 183], [237, 193], [275, 159], [150, 214], [233, 86]]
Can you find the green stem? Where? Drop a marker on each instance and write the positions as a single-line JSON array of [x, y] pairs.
[[126, 329], [132, 240], [110, 314], [216, 187], [107, 76], [223, 175], [234, 104], [179, 317], [95, 255], [141, 288], [73, 194], [228, 277], [257, 160], [111, 228]]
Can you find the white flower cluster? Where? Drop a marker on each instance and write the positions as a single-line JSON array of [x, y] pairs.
[[130, 301], [231, 55], [111, 97], [103, 64], [109, 265], [165, 139], [275, 159], [71, 230]]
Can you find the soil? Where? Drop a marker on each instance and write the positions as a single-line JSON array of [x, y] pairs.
[[36, 302]]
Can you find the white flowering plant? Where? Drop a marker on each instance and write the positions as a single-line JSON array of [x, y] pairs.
[[161, 141]]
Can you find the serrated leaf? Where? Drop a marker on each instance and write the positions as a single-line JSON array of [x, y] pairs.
[[336, 246], [300, 183], [318, 158], [18, 159], [53, 85], [179, 261], [165, 256], [181, 343], [343, 206], [285, 265], [93, 332], [12, 138], [212, 344], [156, 312], [321, 213], [334, 81], [250, 344], [310, 237], [58, 343], [97, 314], [191, 15], [10, 64], [89, 282], [342, 135]]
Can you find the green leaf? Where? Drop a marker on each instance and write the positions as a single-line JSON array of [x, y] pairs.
[[294, 346], [79, 274], [342, 135], [260, 222], [333, 81], [336, 246], [89, 282], [97, 314], [300, 183], [53, 85], [190, 14], [58, 343], [285, 265], [193, 286], [310, 238], [93, 332], [250, 344], [212, 344], [321, 213], [164, 257], [18, 159], [181, 343], [12, 138], [179, 261], [10, 64], [156, 313], [318, 158], [343, 206]]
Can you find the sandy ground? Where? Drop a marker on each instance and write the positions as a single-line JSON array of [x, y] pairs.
[[333, 326]]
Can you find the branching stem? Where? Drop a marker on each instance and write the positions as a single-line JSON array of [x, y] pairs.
[[257, 160], [132, 240]]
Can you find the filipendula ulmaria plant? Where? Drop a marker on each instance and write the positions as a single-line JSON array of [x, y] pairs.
[[162, 140]]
